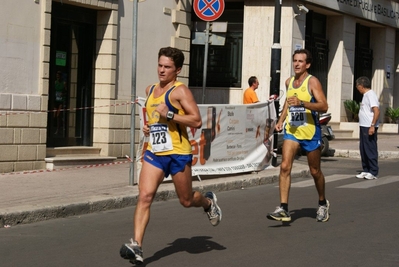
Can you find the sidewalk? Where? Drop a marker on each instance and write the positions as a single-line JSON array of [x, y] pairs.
[[387, 147], [33, 197]]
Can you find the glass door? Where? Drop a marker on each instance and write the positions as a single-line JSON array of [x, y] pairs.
[[71, 76]]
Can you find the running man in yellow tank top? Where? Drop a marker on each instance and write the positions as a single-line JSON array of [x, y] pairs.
[[171, 108], [299, 120]]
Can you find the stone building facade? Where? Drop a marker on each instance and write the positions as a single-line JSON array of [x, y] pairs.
[[89, 44]]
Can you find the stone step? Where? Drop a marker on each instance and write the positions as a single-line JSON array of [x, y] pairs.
[[74, 156], [71, 150], [342, 133], [76, 160]]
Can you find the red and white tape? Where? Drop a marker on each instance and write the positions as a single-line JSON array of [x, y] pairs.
[[70, 168], [6, 113]]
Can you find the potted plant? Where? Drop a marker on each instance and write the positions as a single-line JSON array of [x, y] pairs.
[[392, 114], [353, 108]]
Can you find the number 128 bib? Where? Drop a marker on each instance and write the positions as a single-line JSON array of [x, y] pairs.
[[297, 116]]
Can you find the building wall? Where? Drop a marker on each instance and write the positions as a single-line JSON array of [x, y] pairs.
[[24, 83], [383, 45], [161, 23], [395, 73], [382, 17], [257, 47], [25, 51], [341, 34], [22, 130]]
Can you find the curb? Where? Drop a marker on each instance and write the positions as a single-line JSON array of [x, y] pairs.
[[166, 191], [356, 154]]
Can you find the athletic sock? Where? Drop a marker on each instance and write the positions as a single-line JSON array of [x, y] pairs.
[[284, 206], [322, 202]]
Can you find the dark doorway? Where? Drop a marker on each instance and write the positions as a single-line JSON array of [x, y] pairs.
[[71, 76], [363, 58], [317, 44]]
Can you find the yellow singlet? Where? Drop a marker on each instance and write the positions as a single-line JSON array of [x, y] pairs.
[[300, 121], [166, 137]]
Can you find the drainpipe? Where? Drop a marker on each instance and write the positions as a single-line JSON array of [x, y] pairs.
[[275, 69]]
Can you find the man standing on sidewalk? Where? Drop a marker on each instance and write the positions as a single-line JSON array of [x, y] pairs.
[[368, 122], [305, 98], [170, 108]]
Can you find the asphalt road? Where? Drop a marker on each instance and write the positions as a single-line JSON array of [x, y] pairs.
[[362, 230]]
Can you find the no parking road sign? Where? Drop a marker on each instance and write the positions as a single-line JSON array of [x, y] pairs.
[[208, 10]]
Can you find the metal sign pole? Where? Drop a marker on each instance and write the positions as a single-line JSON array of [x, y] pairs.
[[133, 181], [205, 61]]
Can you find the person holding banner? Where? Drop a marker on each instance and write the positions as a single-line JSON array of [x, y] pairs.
[[305, 98], [170, 109], [250, 96]]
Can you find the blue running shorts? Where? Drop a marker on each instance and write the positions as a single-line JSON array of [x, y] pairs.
[[307, 145], [170, 164]]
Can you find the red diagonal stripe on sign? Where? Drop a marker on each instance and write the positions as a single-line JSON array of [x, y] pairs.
[[209, 5]]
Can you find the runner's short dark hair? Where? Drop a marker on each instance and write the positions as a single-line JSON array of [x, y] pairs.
[[175, 54], [309, 58]]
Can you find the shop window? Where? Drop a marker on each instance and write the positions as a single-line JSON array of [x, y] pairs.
[[224, 64]]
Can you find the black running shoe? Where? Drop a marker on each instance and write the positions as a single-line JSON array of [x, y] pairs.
[[279, 215], [132, 252]]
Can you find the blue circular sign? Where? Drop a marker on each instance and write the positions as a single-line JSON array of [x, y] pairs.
[[208, 10]]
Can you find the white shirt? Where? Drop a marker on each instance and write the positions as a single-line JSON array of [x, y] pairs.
[[366, 113]]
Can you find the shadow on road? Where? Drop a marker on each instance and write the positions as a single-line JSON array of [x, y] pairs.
[[194, 245], [297, 214], [305, 212]]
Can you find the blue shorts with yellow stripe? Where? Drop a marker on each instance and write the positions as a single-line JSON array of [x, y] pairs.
[[307, 145], [170, 164]]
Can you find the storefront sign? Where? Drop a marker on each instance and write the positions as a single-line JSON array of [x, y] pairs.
[[384, 12]]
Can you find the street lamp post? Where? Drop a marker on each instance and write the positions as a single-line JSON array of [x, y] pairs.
[[275, 68]]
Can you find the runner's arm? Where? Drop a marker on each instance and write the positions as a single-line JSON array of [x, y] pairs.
[[182, 98]]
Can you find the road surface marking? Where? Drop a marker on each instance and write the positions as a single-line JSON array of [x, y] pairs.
[[364, 184], [330, 178]]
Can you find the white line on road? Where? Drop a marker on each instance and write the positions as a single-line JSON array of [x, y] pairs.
[[330, 178], [364, 184]]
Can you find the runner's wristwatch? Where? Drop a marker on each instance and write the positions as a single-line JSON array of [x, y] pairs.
[[170, 115]]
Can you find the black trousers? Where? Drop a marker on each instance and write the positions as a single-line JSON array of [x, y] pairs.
[[369, 150]]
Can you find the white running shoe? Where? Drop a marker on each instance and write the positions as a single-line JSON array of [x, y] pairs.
[[369, 176], [214, 213], [322, 212], [362, 175]]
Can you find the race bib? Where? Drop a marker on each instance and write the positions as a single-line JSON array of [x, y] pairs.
[[160, 138], [297, 116]]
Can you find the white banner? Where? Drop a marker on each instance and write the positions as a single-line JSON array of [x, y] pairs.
[[232, 139]]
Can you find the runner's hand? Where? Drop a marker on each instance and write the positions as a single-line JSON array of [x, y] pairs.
[[146, 130]]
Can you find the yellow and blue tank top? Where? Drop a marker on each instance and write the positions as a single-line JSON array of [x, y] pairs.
[[301, 122], [178, 133]]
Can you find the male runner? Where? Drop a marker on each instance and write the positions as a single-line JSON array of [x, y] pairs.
[[170, 109], [305, 98]]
